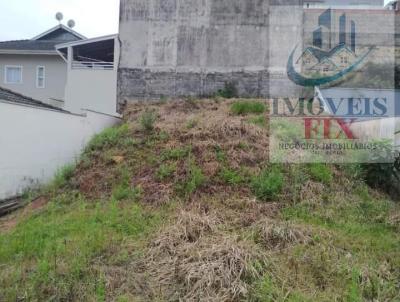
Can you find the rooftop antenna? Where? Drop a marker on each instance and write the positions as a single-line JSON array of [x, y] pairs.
[[71, 23], [59, 17]]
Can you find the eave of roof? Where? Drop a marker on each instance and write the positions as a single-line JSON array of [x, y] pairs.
[[87, 41], [27, 52]]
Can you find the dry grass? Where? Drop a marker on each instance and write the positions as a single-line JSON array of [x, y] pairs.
[[194, 260], [274, 234]]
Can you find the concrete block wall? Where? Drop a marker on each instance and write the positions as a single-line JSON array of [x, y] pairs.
[[192, 47]]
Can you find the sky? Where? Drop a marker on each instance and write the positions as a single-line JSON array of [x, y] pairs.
[[24, 19]]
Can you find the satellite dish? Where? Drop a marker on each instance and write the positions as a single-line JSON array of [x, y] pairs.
[[59, 17], [71, 23]]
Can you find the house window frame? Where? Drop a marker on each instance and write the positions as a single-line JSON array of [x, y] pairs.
[[13, 66], [37, 77]]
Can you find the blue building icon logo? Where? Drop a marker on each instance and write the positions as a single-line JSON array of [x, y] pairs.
[[332, 55]]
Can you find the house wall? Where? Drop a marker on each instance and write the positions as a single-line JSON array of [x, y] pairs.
[[37, 142], [91, 89], [55, 71]]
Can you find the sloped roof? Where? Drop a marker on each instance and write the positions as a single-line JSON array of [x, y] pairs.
[[43, 44], [33, 45], [318, 53], [13, 97]]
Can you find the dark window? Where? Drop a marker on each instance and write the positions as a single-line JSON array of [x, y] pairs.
[[317, 38], [342, 29], [353, 36]]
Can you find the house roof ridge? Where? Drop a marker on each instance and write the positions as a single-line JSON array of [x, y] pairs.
[[57, 27]]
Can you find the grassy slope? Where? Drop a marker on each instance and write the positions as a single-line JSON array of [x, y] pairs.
[[193, 210]]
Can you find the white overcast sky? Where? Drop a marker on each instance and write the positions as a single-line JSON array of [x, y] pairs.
[[24, 19]]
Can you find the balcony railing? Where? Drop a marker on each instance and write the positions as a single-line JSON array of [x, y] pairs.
[[92, 65]]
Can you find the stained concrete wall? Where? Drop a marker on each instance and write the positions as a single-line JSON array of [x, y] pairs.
[[192, 47]]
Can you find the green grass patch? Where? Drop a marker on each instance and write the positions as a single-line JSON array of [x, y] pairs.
[[220, 154], [176, 154], [231, 177], [347, 263], [62, 177], [111, 137], [166, 171], [321, 173], [124, 189], [248, 107], [147, 120], [194, 179], [53, 254], [268, 184], [260, 121]]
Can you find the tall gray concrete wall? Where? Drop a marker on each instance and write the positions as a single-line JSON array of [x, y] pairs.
[[192, 47]]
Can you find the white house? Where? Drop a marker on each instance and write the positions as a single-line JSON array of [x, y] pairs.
[[92, 69], [57, 90], [34, 68]]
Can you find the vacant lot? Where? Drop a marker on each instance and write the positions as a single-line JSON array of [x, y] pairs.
[[180, 203]]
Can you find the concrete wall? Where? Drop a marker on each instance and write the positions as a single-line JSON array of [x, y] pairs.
[[192, 47], [55, 71], [91, 89], [36, 142]]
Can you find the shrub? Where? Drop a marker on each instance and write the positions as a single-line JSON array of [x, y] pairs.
[[62, 177], [165, 171], [194, 180], [124, 190], [229, 91], [220, 154], [175, 154], [248, 107], [147, 120], [382, 174], [321, 173], [268, 184], [231, 177]]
